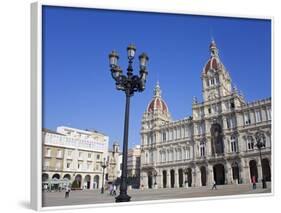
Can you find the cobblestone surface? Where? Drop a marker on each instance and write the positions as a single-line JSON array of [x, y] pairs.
[[95, 197]]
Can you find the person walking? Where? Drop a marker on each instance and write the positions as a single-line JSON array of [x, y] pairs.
[[254, 182], [114, 190], [110, 189], [214, 185], [67, 191]]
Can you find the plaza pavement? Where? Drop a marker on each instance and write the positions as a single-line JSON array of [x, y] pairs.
[[95, 197]]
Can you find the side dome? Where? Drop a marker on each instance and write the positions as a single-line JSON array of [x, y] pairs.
[[157, 104]]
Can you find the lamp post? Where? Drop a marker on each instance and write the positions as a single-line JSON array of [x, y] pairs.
[[260, 144], [103, 165], [129, 83]]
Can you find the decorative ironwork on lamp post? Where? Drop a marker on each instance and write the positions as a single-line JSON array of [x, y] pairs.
[[129, 83], [260, 144], [103, 165]]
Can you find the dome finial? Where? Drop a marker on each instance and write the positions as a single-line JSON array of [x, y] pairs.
[[213, 48], [157, 90]]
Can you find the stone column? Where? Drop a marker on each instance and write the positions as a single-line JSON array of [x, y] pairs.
[[144, 180], [259, 170], [228, 173], [91, 182], [159, 181], [176, 178], [193, 173], [210, 175], [209, 147], [245, 171], [224, 123], [198, 176], [241, 143], [168, 185]]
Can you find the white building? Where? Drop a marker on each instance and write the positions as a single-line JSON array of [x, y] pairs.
[[73, 155], [133, 166], [216, 143]]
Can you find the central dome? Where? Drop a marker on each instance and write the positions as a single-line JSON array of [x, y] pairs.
[[214, 62], [157, 104]]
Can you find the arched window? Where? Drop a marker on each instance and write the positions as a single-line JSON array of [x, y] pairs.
[[146, 158], [180, 154], [168, 155], [250, 143], [150, 157], [202, 149], [164, 136], [233, 143]]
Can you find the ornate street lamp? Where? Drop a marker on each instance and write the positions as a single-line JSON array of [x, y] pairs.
[[103, 165], [260, 144], [129, 84]]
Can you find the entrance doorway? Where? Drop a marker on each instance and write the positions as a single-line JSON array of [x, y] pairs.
[[172, 174], [189, 177], [150, 180], [96, 182], [87, 182], [180, 177], [219, 174], [266, 169], [253, 170], [203, 175], [164, 179], [235, 172]]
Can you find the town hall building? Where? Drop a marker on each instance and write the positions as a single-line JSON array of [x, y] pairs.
[[216, 143]]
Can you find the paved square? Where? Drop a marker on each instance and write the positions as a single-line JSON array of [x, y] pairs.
[[95, 197]]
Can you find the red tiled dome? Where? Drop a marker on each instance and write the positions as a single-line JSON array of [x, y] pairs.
[[157, 104], [213, 63]]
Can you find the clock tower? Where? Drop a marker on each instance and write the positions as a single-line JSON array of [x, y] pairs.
[[215, 78]]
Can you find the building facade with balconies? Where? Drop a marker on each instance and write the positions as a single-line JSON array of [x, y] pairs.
[[73, 156], [217, 143]]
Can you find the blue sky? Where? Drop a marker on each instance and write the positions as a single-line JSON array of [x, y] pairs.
[[78, 90]]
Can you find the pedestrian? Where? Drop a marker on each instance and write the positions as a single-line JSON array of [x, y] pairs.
[[214, 185], [254, 182], [45, 187], [67, 191], [110, 189], [114, 190]]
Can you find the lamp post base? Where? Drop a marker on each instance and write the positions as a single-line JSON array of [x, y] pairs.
[[102, 190], [122, 198]]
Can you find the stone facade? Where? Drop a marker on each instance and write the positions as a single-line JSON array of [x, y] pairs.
[[113, 164], [133, 166], [71, 154], [217, 143]]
